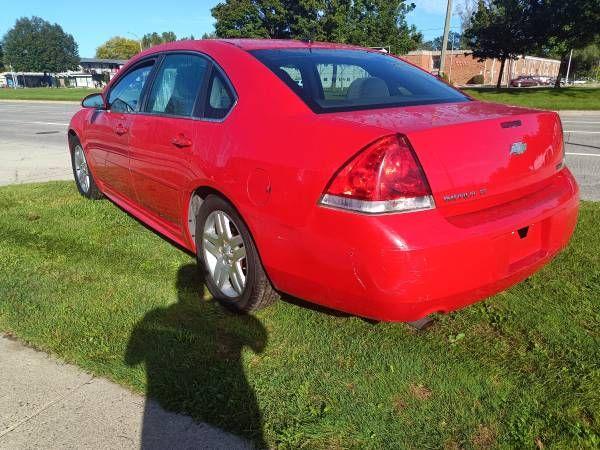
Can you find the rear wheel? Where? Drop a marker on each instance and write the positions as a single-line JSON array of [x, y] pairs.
[[225, 249], [83, 177]]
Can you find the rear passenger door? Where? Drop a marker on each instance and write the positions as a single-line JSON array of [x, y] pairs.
[[164, 137]]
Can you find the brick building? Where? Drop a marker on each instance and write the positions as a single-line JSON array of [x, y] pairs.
[[461, 66]]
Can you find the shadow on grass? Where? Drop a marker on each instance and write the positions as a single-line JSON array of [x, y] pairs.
[[192, 352]]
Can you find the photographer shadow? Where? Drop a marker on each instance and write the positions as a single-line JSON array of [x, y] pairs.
[[192, 353]]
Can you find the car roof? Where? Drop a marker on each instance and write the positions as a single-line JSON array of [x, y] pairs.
[[244, 44], [259, 44]]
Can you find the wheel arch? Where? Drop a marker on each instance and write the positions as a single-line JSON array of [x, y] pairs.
[[71, 135], [197, 197]]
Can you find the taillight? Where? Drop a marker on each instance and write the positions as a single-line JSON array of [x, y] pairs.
[[384, 177]]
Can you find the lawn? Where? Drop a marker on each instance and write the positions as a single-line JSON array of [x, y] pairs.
[[575, 98], [69, 94], [85, 281]]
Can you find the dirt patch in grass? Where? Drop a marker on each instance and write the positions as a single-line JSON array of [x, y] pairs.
[[484, 437], [420, 392]]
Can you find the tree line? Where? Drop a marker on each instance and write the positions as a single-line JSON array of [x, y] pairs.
[[502, 29], [506, 29]]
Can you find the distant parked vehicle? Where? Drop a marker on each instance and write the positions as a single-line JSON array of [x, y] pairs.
[[544, 80], [526, 81]]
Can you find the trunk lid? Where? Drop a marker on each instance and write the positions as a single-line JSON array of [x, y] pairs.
[[475, 154]]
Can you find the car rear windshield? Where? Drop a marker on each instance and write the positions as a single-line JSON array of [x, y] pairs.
[[330, 80]]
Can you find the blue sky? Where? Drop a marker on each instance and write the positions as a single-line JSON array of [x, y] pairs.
[[92, 23]]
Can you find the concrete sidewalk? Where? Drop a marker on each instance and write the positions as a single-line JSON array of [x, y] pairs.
[[45, 403]]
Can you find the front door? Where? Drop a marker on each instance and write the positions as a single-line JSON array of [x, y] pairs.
[[114, 125], [163, 138]]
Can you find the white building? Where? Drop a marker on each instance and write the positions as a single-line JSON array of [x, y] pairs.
[[91, 73]]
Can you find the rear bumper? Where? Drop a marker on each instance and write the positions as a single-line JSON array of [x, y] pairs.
[[401, 267]]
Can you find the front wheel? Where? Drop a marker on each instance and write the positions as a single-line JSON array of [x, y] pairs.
[[233, 272], [83, 177]]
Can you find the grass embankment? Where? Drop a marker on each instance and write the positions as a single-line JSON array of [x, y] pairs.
[[573, 98], [87, 282], [65, 94]]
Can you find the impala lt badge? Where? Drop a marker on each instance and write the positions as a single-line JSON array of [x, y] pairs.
[[518, 148]]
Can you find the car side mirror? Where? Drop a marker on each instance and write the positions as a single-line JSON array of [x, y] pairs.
[[95, 101]]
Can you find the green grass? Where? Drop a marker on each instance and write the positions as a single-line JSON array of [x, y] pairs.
[[574, 98], [85, 281], [547, 98], [69, 94]]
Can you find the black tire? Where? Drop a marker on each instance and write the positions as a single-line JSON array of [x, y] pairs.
[[257, 292], [92, 192]]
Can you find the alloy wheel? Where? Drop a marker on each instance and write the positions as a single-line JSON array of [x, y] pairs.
[[224, 253], [81, 168]]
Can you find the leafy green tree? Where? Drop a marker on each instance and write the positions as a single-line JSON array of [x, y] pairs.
[[454, 41], [375, 23], [251, 19], [152, 39], [118, 48], [35, 45], [1, 59], [361, 22], [560, 26], [586, 61], [500, 29]]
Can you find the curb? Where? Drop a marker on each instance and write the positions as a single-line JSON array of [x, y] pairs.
[[572, 112]]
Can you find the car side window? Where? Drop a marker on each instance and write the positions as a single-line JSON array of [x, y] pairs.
[[219, 99], [125, 96], [176, 85]]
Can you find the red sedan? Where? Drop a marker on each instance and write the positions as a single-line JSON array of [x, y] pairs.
[[526, 81], [336, 174]]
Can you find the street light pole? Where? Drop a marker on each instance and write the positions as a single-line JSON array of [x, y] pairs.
[[569, 65], [137, 38], [14, 76], [446, 31]]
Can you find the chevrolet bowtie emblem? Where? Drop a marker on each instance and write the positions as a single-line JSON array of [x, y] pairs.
[[518, 148]]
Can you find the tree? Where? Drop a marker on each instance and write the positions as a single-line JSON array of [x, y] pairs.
[[586, 61], [1, 59], [152, 39], [499, 29], [465, 11], [361, 22], [560, 26], [118, 48], [35, 45], [454, 41], [374, 23]]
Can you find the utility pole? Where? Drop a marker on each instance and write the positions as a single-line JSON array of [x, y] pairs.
[[446, 31], [14, 76], [569, 65]]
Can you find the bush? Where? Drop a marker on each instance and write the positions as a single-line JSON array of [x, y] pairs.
[[477, 79]]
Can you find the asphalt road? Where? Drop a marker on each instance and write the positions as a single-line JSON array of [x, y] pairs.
[[33, 144]]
